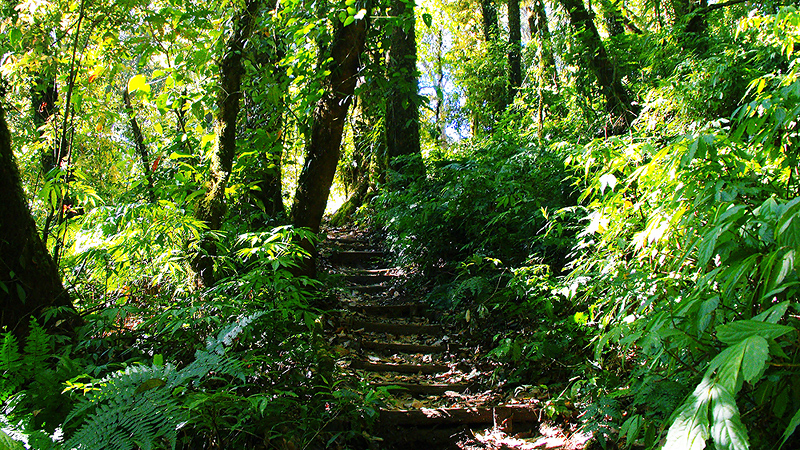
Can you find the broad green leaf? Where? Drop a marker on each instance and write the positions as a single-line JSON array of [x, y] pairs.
[[755, 353], [138, 83], [727, 430], [774, 314], [349, 20], [740, 330], [427, 19], [690, 430], [790, 429], [787, 230]]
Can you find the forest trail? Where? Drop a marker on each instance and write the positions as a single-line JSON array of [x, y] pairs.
[[430, 376]]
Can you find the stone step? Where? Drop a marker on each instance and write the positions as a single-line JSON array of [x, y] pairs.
[[371, 289], [458, 416], [355, 257], [427, 369], [393, 347], [367, 279], [402, 310], [422, 389], [398, 328]]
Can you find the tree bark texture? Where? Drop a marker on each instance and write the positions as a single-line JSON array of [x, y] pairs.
[[402, 112], [29, 279], [514, 49], [322, 150], [141, 148], [618, 100], [211, 207]]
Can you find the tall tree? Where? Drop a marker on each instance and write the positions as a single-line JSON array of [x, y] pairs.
[[211, 207], [514, 49], [29, 279], [402, 113], [327, 125], [618, 101]]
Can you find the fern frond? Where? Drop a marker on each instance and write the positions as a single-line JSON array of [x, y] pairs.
[[38, 347], [9, 366]]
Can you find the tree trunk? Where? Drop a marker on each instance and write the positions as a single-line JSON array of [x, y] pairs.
[[322, 150], [29, 280], [141, 148], [264, 118], [211, 207], [514, 50], [489, 15], [618, 102], [402, 113], [368, 141], [537, 21]]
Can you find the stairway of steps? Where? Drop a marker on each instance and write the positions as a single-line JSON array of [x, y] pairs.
[[394, 343]]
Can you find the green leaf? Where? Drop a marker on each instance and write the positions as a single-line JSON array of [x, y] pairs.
[[740, 330], [21, 293], [150, 384], [138, 83], [690, 429], [790, 429], [727, 431], [427, 19], [7, 443], [774, 314], [787, 230], [755, 351], [349, 20]]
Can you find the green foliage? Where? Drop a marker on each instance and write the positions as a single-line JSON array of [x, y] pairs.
[[687, 259]]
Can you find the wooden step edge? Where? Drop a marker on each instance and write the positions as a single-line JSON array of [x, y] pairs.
[[373, 288], [422, 389], [403, 348], [397, 328], [399, 368], [369, 279], [449, 416], [404, 309]]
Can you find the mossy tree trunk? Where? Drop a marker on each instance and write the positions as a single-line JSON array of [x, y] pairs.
[[619, 105], [29, 279], [211, 207], [322, 149], [402, 112]]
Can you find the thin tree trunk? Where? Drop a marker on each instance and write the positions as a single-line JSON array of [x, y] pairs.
[[141, 148], [29, 279], [264, 119], [322, 150], [211, 207], [514, 50], [489, 16], [618, 102], [402, 112], [537, 21]]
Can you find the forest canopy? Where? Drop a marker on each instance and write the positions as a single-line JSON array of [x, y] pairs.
[[604, 196]]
